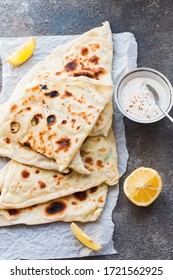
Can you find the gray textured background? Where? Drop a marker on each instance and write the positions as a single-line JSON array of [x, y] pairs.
[[140, 233]]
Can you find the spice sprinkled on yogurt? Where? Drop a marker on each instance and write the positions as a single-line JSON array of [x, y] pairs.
[[137, 100]]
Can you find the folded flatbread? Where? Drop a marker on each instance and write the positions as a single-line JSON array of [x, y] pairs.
[[71, 109], [25, 186], [83, 206], [89, 55], [23, 154], [13, 150], [92, 52]]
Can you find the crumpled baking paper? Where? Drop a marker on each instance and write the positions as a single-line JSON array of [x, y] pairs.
[[56, 240]]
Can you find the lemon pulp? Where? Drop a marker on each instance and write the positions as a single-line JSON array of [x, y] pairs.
[[143, 186]]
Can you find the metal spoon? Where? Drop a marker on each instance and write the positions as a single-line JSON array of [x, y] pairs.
[[156, 97]]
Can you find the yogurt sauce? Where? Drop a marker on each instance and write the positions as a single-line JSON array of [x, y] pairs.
[[137, 100]]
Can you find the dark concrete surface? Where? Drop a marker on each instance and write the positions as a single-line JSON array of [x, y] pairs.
[[140, 233]]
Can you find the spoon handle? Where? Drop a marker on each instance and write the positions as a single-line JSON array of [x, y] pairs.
[[166, 114]]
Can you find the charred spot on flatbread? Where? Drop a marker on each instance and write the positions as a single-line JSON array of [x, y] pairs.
[[89, 160], [29, 99], [7, 140], [67, 93], [37, 171], [80, 195], [15, 126], [98, 72], [51, 119], [73, 123], [63, 144], [35, 88], [63, 122], [52, 94], [13, 212], [83, 73], [22, 111], [84, 51], [74, 203], [100, 199], [93, 190], [41, 136], [54, 208], [25, 174], [36, 118], [44, 87], [42, 184], [90, 72], [13, 108], [71, 66], [91, 107], [58, 73], [99, 163], [27, 144], [94, 59]]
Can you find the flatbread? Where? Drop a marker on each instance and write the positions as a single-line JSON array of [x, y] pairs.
[[23, 129], [98, 42], [77, 165], [72, 107], [90, 54], [23, 122], [13, 150], [83, 206], [26, 186], [104, 122], [27, 156]]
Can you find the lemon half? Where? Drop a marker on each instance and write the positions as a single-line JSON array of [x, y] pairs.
[[143, 186], [84, 238], [23, 53]]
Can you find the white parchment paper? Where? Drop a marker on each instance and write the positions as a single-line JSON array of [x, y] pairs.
[[56, 240]]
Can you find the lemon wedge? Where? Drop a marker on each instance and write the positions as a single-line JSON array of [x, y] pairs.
[[143, 186], [84, 238], [23, 53]]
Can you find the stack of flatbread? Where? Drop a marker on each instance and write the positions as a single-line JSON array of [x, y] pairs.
[[56, 129]]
